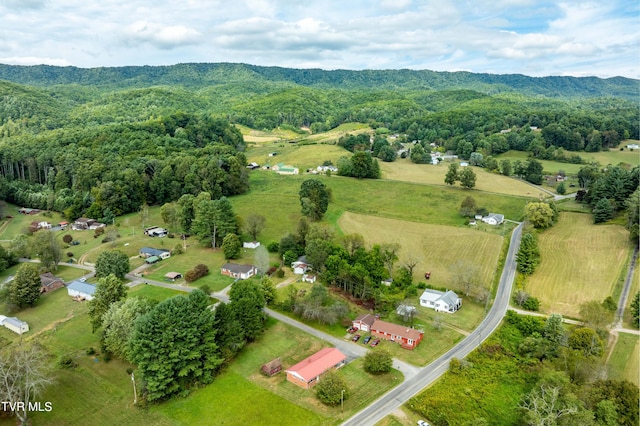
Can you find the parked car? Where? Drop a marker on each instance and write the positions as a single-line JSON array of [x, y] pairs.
[[356, 338], [366, 340], [422, 423], [351, 330], [375, 342]]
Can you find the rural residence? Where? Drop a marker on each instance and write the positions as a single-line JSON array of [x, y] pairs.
[[251, 244], [300, 266], [49, 282], [80, 290], [147, 252], [493, 219], [307, 372], [408, 338], [83, 223], [155, 231], [283, 169], [441, 301], [14, 324], [364, 322], [235, 270]]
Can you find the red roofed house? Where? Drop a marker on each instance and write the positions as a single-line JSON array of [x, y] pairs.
[[363, 322], [307, 372], [407, 337]]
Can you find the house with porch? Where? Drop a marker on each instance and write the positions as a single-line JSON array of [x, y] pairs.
[[146, 252], [493, 219], [301, 266], [441, 301], [307, 373], [80, 290], [408, 338]]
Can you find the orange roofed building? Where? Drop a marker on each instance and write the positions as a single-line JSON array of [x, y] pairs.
[[307, 372], [407, 337]]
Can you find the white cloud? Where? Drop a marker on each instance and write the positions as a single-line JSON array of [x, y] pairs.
[[163, 37]]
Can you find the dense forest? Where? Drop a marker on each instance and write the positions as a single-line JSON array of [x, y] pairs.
[[104, 141]]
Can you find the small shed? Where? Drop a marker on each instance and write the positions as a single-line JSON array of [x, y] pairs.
[[172, 276], [271, 368], [152, 259]]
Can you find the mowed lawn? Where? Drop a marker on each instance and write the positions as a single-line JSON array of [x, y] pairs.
[[580, 262], [624, 363], [437, 248], [406, 171]]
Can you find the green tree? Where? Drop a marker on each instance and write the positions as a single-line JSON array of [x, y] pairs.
[[555, 334], [468, 207], [314, 198], [48, 248], [387, 154], [229, 333], [467, 178], [528, 255], [174, 346], [603, 211], [169, 216], [247, 303], [505, 167], [633, 215], [332, 389], [254, 224], [586, 341], [113, 262], [110, 289], [635, 310], [533, 172], [378, 362], [231, 246], [185, 212], [595, 315], [419, 155], [539, 214], [24, 289], [452, 174], [118, 323], [561, 188]]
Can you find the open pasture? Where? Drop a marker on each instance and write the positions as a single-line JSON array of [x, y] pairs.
[[404, 170], [437, 248], [580, 262]]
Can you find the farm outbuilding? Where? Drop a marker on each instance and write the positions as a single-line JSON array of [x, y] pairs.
[[271, 368], [172, 276]]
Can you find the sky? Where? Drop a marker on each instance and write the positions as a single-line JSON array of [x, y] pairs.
[[532, 37]]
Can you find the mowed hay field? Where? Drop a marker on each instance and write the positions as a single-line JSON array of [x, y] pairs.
[[580, 262], [404, 170], [436, 247]]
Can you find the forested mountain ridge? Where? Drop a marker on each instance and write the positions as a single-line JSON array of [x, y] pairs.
[[198, 75]]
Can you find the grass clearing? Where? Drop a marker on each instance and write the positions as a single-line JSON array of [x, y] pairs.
[[580, 262], [635, 288], [154, 292], [426, 242], [624, 363], [406, 171]]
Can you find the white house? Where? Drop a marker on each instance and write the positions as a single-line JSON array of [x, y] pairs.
[[633, 146], [441, 301], [300, 267], [251, 244], [14, 324], [309, 278], [81, 290], [235, 270], [493, 219]]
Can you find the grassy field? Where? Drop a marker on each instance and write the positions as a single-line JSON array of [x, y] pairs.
[[635, 288], [426, 243], [580, 262], [624, 363], [614, 157], [404, 170]]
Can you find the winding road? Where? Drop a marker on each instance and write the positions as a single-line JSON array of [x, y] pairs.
[[429, 374]]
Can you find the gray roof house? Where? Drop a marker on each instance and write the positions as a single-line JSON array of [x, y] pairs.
[[236, 270], [441, 301], [81, 290], [149, 252], [493, 219]]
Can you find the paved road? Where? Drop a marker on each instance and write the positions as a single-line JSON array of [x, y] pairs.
[[429, 374]]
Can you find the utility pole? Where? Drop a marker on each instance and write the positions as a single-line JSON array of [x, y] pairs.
[[342, 400]]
